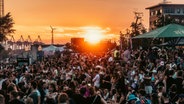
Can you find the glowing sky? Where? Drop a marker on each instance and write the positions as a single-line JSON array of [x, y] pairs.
[[75, 18]]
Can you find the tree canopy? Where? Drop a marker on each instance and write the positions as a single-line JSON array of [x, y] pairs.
[[137, 26], [6, 26]]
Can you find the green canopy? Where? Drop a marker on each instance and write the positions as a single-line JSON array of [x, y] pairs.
[[168, 31]]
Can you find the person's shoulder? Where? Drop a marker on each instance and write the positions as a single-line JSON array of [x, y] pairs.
[[16, 101], [92, 97], [77, 95]]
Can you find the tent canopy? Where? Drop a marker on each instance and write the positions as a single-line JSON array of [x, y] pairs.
[[168, 31], [50, 48], [54, 48], [174, 42]]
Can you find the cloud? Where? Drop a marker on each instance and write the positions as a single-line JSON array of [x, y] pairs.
[[60, 32]]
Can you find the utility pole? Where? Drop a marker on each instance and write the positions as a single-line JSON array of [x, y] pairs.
[[1, 15], [121, 41], [1, 8], [128, 39], [52, 32]]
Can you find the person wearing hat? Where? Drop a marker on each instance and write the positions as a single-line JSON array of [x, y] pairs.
[[132, 99]]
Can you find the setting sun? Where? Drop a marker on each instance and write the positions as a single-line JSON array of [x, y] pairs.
[[93, 36]]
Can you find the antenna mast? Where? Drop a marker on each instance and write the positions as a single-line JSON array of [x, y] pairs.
[[1, 8]]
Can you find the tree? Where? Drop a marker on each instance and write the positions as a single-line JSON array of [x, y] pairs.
[[137, 29], [6, 26], [137, 26]]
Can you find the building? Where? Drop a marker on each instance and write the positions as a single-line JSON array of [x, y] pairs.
[[165, 9], [77, 41], [80, 45]]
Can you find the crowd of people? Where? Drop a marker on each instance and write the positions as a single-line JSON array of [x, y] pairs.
[[153, 76]]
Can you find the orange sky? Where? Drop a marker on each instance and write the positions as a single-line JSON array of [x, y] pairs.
[[73, 18]]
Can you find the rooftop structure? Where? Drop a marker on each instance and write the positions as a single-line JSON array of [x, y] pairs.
[[174, 11]]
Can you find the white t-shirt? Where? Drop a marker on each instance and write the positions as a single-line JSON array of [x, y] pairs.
[[126, 55], [96, 80], [1, 82]]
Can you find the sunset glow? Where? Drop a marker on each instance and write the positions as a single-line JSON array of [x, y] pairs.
[[93, 36], [94, 20]]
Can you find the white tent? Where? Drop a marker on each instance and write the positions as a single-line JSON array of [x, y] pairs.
[[61, 49], [50, 50]]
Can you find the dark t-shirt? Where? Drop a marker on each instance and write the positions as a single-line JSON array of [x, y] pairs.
[[79, 99], [178, 82], [16, 101], [147, 81], [82, 77], [34, 96], [169, 82], [92, 100], [160, 84], [107, 85]]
